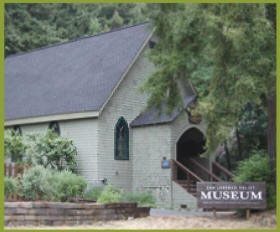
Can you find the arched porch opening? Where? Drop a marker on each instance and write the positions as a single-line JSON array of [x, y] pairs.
[[190, 145]]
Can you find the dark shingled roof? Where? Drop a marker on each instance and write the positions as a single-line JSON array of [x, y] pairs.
[[75, 76], [152, 116]]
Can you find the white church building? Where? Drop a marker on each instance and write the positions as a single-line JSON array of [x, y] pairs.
[[89, 89]]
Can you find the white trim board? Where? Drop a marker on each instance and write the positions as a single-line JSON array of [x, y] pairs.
[[48, 118]]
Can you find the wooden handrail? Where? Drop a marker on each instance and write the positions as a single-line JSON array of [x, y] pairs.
[[205, 170], [224, 170], [186, 170]]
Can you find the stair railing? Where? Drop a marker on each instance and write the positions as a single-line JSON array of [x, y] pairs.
[[223, 170], [201, 167], [189, 174]]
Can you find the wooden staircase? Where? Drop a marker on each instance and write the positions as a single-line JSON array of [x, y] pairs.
[[190, 178]]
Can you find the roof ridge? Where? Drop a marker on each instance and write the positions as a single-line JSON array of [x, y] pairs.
[[75, 40]]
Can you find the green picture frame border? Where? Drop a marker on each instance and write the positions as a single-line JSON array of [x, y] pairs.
[[3, 2]]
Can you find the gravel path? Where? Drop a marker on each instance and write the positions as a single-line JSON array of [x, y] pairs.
[[262, 221], [169, 212]]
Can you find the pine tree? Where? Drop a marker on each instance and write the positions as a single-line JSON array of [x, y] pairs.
[[29, 26]]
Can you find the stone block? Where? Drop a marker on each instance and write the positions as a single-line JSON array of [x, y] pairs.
[[57, 213]]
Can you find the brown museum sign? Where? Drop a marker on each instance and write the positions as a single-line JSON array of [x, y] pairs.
[[228, 195]]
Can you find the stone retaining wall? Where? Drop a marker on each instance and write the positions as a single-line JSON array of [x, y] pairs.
[[58, 213]]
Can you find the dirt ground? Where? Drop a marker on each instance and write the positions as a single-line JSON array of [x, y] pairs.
[[264, 220]]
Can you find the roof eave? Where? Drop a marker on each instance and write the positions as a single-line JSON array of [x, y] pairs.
[[48, 118], [132, 125], [151, 124]]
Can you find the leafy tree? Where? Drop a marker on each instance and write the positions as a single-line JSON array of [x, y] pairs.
[[226, 50], [250, 134], [116, 21], [29, 26], [52, 151]]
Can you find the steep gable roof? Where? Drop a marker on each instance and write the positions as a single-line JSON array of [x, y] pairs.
[[75, 76]]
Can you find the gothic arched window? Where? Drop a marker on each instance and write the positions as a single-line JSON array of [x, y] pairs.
[[54, 127], [121, 140]]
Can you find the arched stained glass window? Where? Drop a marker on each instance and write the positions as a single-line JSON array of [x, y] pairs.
[[55, 127], [121, 140]]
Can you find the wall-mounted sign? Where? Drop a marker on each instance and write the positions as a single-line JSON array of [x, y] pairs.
[[165, 163], [227, 195]]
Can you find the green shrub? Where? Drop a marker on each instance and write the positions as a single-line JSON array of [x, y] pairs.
[[39, 183], [52, 151], [11, 187], [270, 196], [66, 185], [142, 199], [15, 147], [93, 193], [110, 195], [36, 183], [257, 168]]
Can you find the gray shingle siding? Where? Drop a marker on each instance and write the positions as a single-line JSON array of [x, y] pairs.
[[126, 102]]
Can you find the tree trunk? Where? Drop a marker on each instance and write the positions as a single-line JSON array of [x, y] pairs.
[[227, 156], [272, 134], [238, 144]]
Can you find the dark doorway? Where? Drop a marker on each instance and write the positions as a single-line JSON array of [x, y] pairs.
[[190, 145]]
